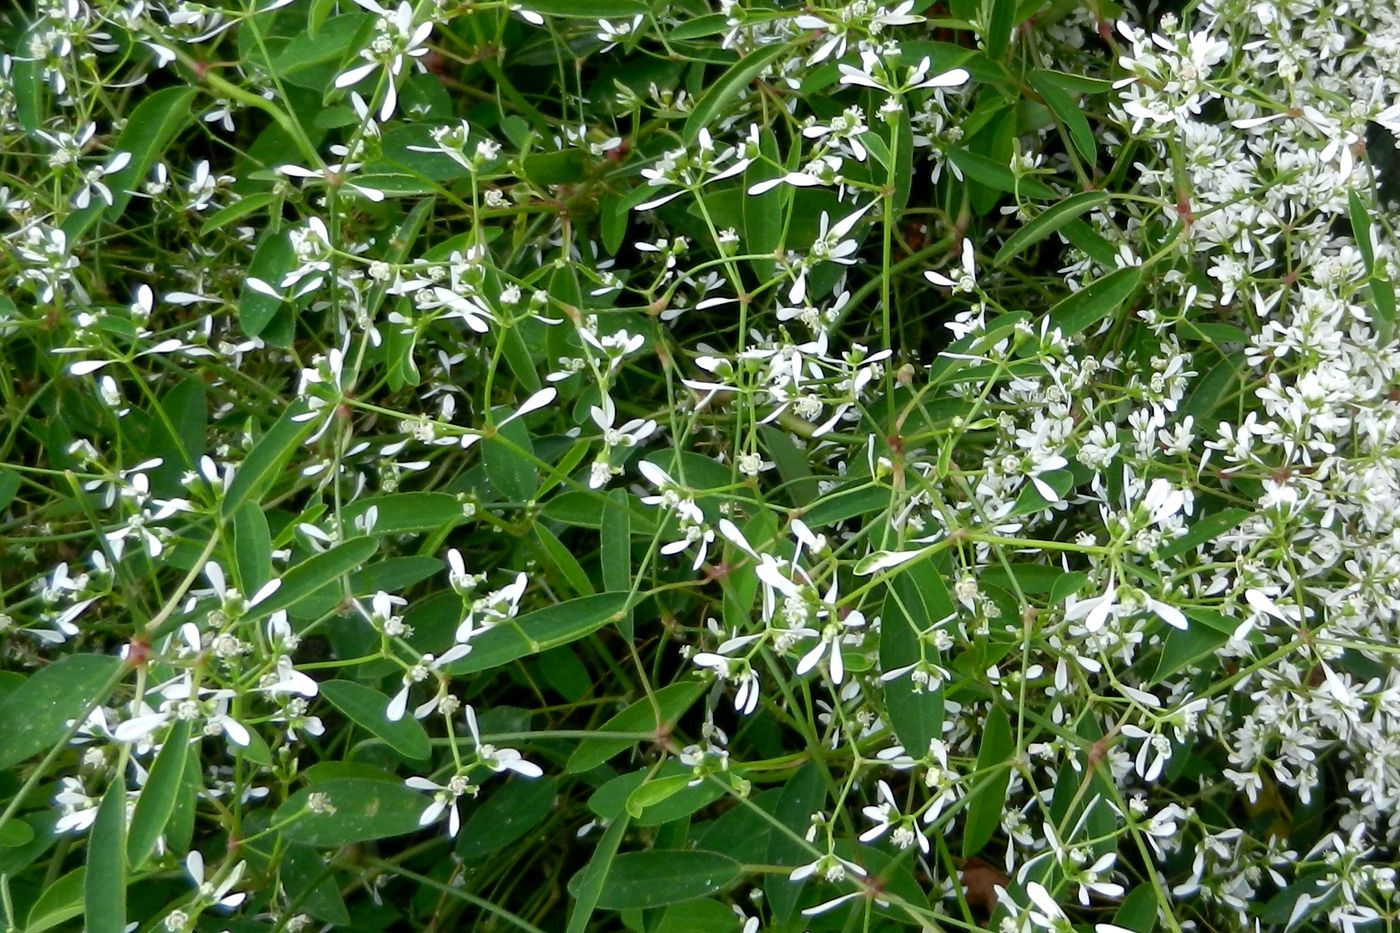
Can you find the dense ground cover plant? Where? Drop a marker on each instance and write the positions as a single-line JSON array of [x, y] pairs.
[[590, 464]]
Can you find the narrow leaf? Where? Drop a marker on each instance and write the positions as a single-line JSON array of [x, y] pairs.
[[104, 886], [1067, 110], [993, 776], [309, 576], [1204, 529], [237, 211], [272, 260], [739, 76], [1088, 306], [616, 536], [366, 707], [564, 560], [508, 814], [266, 458], [252, 547], [158, 797], [586, 9], [1047, 223], [672, 700], [587, 884]]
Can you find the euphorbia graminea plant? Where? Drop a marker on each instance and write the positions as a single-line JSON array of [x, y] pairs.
[[909, 466]]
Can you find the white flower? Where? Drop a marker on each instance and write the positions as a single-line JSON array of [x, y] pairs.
[[445, 798], [216, 895], [499, 759], [967, 279], [396, 41]]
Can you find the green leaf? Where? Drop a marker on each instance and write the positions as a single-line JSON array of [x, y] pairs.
[[1138, 912], [149, 129], [60, 902], [1067, 110], [1030, 579], [186, 407], [319, 54], [266, 458], [651, 793], [1066, 585], [660, 877], [511, 811], [739, 76], [803, 795], [394, 574], [586, 9], [1383, 297], [159, 795], [51, 698], [1076, 84], [673, 701], [988, 800], [912, 605], [1090, 305], [616, 537], [27, 78], [407, 512], [365, 810], [252, 547], [993, 174], [843, 504], [793, 466], [272, 260], [309, 883], [316, 18], [1184, 647], [541, 630], [309, 576], [1361, 229], [238, 210], [1047, 223], [9, 486], [366, 707], [512, 476], [104, 885], [1215, 387], [710, 24], [1001, 20], [587, 884], [1205, 528], [763, 215], [564, 560], [15, 833]]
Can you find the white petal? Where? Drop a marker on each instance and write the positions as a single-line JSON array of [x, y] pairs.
[[355, 75], [398, 705]]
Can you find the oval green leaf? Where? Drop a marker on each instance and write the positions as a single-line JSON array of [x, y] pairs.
[[541, 630], [366, 708], [639, 880], [51, 698], [363, 810]]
